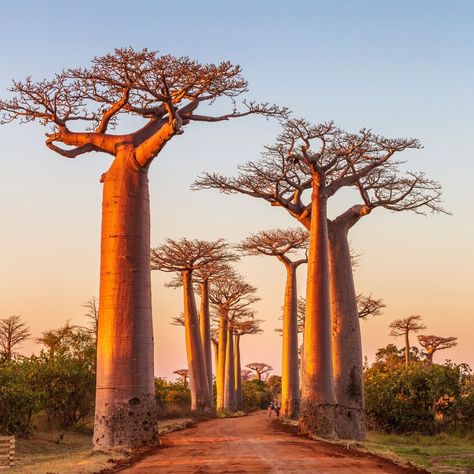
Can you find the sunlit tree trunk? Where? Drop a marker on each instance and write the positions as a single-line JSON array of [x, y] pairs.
[[290, 396], [205, 329], [347, 345], [125, 410], [318, 396], [200, 396], [238, 373], [230, 404], [221, 355]]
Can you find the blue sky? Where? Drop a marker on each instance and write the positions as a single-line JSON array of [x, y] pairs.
[[402, 68]]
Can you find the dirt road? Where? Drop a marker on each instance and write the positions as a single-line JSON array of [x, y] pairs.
[[254, 444]]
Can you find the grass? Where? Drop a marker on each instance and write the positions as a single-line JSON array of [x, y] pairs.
[[442, 453], [41, 454]]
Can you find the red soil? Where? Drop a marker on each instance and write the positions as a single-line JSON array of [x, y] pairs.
[[255, 444]]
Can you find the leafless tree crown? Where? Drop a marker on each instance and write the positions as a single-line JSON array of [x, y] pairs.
[[162, 89], [13, 331], [189, 255], [436, 343], [369, 306], [276, 242], [362, 160], [400, 327]]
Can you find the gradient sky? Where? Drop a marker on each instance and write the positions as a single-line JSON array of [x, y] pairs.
[[402, 68]]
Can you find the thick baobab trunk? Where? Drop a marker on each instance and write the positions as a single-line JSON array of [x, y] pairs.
[[290, 393], [220, 370], [125, 410], [238, 373], [230, 404], [346, 339], [205, 329], [407, 350], [318, 398], [429, 356], [199, 386]]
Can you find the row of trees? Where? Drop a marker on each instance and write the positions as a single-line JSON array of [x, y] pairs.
[[306, 166]]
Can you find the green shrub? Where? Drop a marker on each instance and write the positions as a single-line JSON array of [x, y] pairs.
[[423, 398], [18, 399], [256, 394]]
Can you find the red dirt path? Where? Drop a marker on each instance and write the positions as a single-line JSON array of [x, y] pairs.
[[255, 444]]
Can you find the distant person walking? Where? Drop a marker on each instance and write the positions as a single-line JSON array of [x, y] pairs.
[[270, 409], [277, 410]]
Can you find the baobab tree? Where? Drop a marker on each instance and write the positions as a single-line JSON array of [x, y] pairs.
[[82, 105], [281, 243], [431, 344], [244, 324], [246, 375], [321, 159], [13, 331], [403, 327], [202, 278], [183, 373], [259, 368], [186, 256], [228, 294]]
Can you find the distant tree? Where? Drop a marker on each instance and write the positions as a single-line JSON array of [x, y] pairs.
[[368, 306], [282, 243], [13, 331], [431, 344], [403, 327], [92, 313], [259, 368], [184, 257], [246, 375], [183, 373], [244, 324], [228, 294]]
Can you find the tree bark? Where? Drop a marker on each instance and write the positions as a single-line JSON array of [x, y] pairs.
[[205, 329], [238, 373], [318, 399], [125, 410], [200, 396], [230, 404], [346, 338], [290, 393], [221, 353]]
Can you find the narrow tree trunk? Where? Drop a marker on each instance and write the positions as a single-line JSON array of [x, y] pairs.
[[220, 370], [407, 350], [205, 328], [215, 346], [301, 365], [200, 396], [125, 410], [290, 396], [230, 404], [318, 396], [346, 339], [238, 373]]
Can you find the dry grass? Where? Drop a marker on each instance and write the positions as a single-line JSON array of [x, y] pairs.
[[41, 454], [442, 453]]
